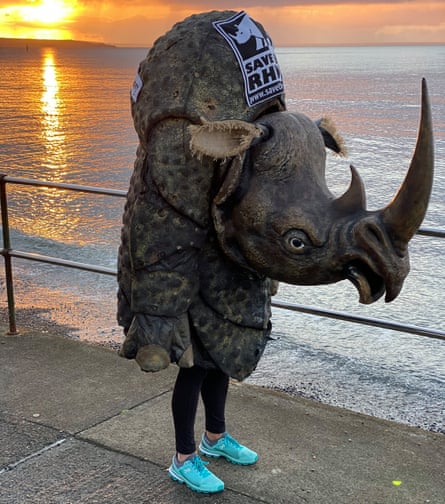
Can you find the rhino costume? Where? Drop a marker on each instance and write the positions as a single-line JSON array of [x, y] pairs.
[[228, 197]]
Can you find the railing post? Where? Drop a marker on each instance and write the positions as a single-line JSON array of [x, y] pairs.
[[7, 257]]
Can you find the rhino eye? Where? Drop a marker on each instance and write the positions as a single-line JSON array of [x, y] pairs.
[[296, 241]]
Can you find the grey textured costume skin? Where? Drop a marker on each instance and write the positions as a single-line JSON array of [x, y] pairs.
[[204, 234]]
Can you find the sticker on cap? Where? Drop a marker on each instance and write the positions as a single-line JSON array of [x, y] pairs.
[[137, 86], [256, 56]]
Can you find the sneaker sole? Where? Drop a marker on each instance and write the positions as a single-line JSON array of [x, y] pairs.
[[204, 451], [181, 480]]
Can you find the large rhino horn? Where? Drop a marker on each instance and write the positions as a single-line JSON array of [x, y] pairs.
[[403, 216]]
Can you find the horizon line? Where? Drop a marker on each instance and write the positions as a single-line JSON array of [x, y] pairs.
[[18, 40]]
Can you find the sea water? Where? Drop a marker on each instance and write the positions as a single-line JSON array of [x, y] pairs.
[[65, 117]]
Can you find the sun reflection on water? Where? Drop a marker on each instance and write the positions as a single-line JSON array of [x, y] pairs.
[[52, 133], [50, 99], [56, 212]]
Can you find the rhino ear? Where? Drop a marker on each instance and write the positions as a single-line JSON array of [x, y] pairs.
[[222, 139], [332, 139]]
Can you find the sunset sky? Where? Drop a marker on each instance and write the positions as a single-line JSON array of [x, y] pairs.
[[303, 22]]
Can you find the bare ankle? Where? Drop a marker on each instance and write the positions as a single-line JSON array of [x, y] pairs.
[[212, 436], [182, 457]]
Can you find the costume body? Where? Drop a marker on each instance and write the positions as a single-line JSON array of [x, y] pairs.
[[177, 289]]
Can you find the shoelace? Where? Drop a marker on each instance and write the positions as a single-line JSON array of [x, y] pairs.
[[233, 442], [199, 465]]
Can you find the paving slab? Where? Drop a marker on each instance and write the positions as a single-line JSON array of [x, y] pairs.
[[308, 452], [70, 385], [78, 472]]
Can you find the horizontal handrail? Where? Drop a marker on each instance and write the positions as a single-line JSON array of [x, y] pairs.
[[311, 310], [425, 231], [8, 253], [357, 319], [64, 186], [32, 256]]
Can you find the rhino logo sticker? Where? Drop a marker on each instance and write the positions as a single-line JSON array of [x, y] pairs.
[[256, 56]]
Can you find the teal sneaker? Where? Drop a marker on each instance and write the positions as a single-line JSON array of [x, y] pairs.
[[228, 448], [195, 475]]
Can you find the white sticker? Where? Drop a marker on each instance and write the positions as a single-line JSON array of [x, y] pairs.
[[136, 89], [256, 56]]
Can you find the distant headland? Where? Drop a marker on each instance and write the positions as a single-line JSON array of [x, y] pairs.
[[28, 44]]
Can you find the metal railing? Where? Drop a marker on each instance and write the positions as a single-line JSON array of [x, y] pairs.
[[8, 253]]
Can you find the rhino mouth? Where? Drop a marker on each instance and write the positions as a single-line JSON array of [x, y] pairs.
[[369, 284]]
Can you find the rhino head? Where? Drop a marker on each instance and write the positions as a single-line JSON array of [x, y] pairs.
[[275, 214]]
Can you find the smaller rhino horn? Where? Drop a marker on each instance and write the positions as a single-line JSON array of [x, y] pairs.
[[354, 199]]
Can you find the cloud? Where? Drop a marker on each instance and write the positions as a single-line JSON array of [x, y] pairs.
[[291, 23], [302, 22], [205, 5]]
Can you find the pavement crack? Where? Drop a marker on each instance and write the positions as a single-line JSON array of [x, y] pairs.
[[79, 433], [43, 450]]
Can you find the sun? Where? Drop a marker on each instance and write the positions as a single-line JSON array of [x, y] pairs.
[[39, 19], [48, 12]]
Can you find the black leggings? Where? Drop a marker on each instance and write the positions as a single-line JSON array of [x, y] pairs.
[[213, 385]]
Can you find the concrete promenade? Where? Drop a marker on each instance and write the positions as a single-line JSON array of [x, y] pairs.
[[78, 424]]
